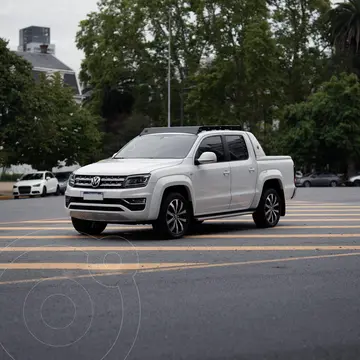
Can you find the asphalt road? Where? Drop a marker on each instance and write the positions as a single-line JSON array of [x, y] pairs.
[[230, 291]]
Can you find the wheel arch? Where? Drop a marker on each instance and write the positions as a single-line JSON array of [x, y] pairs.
[[277, 185], [168, 185]]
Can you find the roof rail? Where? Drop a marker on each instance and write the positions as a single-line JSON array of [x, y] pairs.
[[189, 129]]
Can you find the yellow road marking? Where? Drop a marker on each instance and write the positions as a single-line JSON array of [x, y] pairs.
[[178, 248], [140, 227], [207, 236], [183, 267], [89, 266]]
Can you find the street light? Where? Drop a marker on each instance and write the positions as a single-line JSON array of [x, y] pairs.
[[169, 72]]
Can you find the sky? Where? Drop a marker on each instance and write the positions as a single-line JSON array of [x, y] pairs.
[[62, 16]]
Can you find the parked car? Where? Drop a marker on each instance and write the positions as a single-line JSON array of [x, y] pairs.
[[319, 179], [36, 183], [353, 181], [174, 178], [63, 177]]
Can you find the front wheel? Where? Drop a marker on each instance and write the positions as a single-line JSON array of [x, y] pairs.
[[87, 227], [268, 211], [44, 192], [174, 217], [333, 183], [357, 183]]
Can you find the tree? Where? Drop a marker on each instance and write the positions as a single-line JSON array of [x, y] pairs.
[[54, 128], [326, 128], [15, 82], [344, 22]]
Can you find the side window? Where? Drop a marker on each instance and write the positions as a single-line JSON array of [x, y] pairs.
[[50, 175], [214, 144], [237, 147]]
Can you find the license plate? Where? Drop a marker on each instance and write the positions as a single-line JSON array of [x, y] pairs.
[[94, 196]]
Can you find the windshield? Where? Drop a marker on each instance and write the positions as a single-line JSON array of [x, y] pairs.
[[158, 146], [63, 176], [33, 176]]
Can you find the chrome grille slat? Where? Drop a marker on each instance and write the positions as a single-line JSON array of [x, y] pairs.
[[107, 182]]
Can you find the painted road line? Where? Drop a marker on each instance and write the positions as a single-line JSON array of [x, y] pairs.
[[90, 266], [130, 228], [183, 267], [206, 236], [85, 249]]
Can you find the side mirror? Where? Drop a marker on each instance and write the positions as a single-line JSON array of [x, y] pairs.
[[207, 157], [48, 178], [114, 155], [18, 179]]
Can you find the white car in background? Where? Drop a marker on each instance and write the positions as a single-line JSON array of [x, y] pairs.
[[36, 183]]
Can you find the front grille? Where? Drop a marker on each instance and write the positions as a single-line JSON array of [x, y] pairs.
[[127, 204], [24, 189], [106, 182]]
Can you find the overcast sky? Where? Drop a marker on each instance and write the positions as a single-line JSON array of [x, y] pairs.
[[62, 16]]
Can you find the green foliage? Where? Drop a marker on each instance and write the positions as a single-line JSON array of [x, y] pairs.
[[325, 129], [4, 177], [53, 128]]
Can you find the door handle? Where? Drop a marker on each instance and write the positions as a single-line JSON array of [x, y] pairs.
[[251, 169], [226, 172]]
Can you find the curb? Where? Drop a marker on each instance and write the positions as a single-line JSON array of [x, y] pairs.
[[6, 197]]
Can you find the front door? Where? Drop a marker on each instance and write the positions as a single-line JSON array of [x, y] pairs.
[[211, 182], [243, 169]]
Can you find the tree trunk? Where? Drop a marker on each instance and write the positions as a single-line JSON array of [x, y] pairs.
[[351, 168]]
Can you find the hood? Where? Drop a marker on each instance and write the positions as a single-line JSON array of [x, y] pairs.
[[353, 178], [125, 167], [28, 182]]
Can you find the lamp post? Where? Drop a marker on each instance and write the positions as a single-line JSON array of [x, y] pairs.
[[169, 72]]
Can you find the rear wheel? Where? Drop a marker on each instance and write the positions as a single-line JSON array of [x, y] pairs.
[[88, 227], [58, 192], [307, 184], [16, 197], [357, 183], [333, 183], [269, 209], [174, 217]]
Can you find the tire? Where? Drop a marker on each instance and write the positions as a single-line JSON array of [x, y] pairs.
[[333, 183], [16, 197], [270, 201], [58, 192], [87, 227], [357, 183], [307, 184], [44, 192], [174, 217]]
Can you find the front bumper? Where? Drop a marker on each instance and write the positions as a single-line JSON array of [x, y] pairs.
[[27, 190], [118, 205]]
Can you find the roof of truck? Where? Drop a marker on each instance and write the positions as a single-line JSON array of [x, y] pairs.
[[195, 130]]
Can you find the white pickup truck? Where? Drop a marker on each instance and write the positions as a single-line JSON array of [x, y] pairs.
[[174, 178]]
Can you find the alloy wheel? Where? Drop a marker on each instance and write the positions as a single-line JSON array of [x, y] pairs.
[[272, 208], [176, 216]]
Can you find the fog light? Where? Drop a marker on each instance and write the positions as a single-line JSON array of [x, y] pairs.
[[136, 201]]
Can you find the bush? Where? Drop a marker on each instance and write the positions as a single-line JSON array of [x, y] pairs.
[[9, 177]]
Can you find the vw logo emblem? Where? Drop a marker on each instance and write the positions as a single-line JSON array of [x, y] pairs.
[[95, 181]]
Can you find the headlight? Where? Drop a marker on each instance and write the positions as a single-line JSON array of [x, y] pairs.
[[137, 181], [37, 185], [71, 181]]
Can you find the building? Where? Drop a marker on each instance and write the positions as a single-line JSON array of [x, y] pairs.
[[35, 47]]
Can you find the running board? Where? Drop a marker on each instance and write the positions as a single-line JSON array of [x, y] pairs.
[[224, 215]]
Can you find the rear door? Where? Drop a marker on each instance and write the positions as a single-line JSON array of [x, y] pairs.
[[243, 168]]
